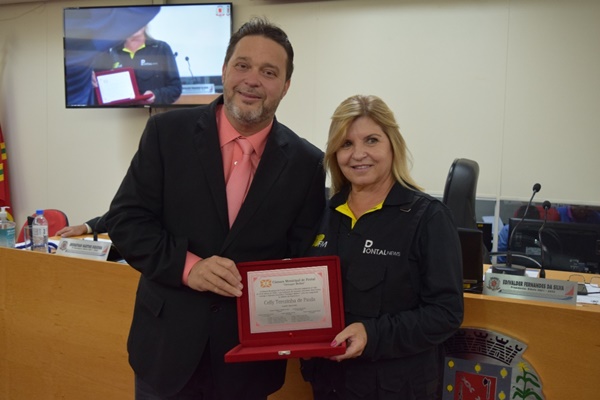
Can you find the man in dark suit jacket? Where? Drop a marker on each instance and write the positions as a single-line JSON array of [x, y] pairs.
[[169, 220]]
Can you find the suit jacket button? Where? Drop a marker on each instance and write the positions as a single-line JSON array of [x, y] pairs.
[[215, 307]]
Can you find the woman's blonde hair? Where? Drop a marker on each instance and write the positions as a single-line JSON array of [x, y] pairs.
[[377, 110]]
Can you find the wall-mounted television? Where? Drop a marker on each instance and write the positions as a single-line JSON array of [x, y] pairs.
[[145, 56], [568, 246]]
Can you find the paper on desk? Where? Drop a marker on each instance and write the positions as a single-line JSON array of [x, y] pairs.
[[593, 296], [532, 273]]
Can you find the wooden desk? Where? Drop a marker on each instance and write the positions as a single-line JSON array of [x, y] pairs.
[[63, 330], [565, 275], [63, 327], [64, 324], [196, 99]]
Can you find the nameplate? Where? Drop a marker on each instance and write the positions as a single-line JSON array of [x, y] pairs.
[[528, 288], [81, 248], [198, 88]]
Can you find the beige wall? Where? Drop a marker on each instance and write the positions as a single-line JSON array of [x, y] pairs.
[[514, 85]]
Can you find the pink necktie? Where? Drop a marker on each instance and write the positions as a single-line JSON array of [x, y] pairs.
[[239, 180]]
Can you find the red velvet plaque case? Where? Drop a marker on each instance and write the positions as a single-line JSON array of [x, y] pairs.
[[289, 309], [118, 86]]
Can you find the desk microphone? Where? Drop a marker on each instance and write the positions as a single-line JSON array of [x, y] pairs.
[[509, 268], [546, 206], [189, 66]]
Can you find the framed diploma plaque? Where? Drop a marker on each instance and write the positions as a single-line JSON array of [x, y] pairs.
[[289, 309], [118, 86]]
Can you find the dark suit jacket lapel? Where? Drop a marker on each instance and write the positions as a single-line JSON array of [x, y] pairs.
[[270, 167], [209, 156]]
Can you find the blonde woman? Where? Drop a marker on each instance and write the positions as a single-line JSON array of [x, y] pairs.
[[401, 264]]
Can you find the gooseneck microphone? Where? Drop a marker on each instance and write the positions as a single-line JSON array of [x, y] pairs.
[[189, 66], [536, 188], [546, 205], [509, 268]]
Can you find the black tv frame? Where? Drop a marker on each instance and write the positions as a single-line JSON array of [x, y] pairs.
[[81, 44]]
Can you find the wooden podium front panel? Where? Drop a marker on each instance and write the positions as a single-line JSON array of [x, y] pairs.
[[563, 341], [63, 327], [64, 324]]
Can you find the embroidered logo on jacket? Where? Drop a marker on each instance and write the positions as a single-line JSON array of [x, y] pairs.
[[368, 249], [146, 63], [320, 241]]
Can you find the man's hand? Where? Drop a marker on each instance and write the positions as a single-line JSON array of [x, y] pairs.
[[216, 274], [76, 230]]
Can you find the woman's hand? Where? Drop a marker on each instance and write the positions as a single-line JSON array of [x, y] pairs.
[[355, 336]]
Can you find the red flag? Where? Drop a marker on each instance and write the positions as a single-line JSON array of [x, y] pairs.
[[4, 186]]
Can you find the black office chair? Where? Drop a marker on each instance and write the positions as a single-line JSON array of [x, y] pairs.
[[460, 191], [459, 195]]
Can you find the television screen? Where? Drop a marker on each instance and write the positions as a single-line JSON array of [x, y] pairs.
[[145, 56], [568, 246]]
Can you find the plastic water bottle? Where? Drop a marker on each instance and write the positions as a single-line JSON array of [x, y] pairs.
[[7, 229], [39, 232]]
